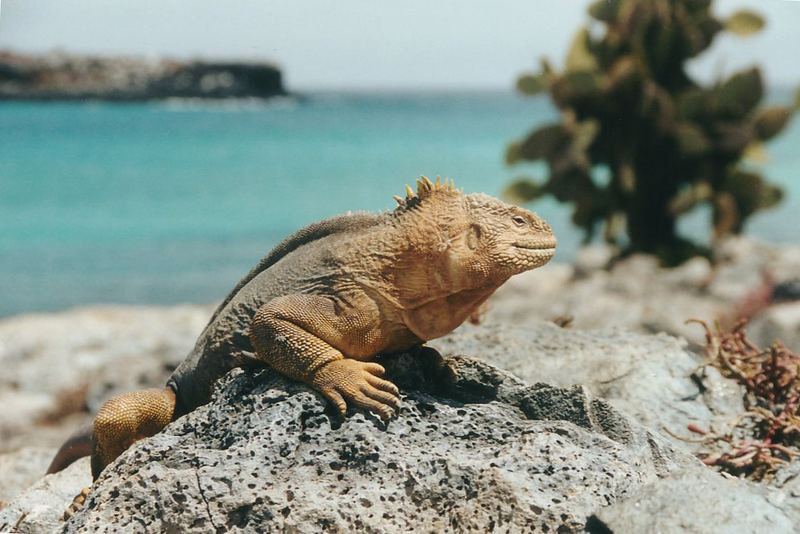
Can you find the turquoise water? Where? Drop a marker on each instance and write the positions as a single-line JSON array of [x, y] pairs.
[[168, 203]]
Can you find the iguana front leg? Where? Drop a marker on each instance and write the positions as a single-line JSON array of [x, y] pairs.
[[306, 338]]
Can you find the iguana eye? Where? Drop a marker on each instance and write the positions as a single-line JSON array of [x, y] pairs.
[[519, 220]]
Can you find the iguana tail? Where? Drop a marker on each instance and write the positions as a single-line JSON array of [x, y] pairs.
[[121, 421], [127, 418], [76, 447]]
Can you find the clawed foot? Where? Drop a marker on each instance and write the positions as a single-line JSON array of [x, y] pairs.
[[360, 384], [77, 503]]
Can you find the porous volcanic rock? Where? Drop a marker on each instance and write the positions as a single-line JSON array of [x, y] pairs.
[[638, 295], [60, 367], [40, 508], [21, 468], [780, 322], [474, 449], [696, 501], [653, 378]]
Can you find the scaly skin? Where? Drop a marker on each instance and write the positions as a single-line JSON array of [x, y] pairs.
[[331, 297]]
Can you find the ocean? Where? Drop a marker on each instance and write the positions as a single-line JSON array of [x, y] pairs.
[[173, 202]]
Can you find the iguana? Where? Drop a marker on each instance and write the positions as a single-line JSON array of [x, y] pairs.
[[328, 299]]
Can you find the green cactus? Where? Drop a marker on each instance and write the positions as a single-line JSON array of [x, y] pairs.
[[670, 144]]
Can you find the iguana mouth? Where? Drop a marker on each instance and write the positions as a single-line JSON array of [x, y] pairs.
[[537, 245]]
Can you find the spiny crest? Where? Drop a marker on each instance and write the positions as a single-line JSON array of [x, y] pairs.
[[425, 189]]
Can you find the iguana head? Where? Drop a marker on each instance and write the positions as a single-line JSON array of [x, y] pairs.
[[481, 239], [510, 239]]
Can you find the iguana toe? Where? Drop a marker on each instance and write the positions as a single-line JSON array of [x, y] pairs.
[[357, 383], [336, 399], [383, 385], [381, 407], [77, 503]]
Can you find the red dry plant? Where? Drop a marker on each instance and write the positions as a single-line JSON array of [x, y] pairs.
[[767, 435]]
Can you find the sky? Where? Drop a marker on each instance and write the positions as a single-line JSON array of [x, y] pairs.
[[368, 44]]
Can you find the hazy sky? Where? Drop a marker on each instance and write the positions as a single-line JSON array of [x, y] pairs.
[[366, 43]]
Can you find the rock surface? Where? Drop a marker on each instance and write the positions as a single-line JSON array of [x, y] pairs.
[[479, 450], [474, 449], [675, 504], [59, 367], [62, 77], [39, 509], [782, 322], [21, 468], [646, 376], [637, 295]]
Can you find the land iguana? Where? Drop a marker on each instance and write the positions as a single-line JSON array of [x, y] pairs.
[[328, 299]]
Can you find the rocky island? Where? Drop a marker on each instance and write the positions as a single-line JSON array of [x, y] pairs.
[[60, 76]]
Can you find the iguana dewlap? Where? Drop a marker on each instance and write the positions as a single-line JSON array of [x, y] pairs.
[[328, 299]]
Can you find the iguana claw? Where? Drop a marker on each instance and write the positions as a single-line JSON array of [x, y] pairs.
[[360, 384], [77, 503]]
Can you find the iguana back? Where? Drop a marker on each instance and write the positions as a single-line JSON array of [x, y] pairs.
[[312, 232]]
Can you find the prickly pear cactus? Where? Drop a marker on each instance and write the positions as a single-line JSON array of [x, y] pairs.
[[665, 144]]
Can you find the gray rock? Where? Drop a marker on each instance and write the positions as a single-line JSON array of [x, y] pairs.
[[638, 295], [593, 258], [691, 274], [743, 262], [40, 508], [787, 291], [91, 352], [21, 468], [474, 449], [696, 501], [648, 377], [779, 322]]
